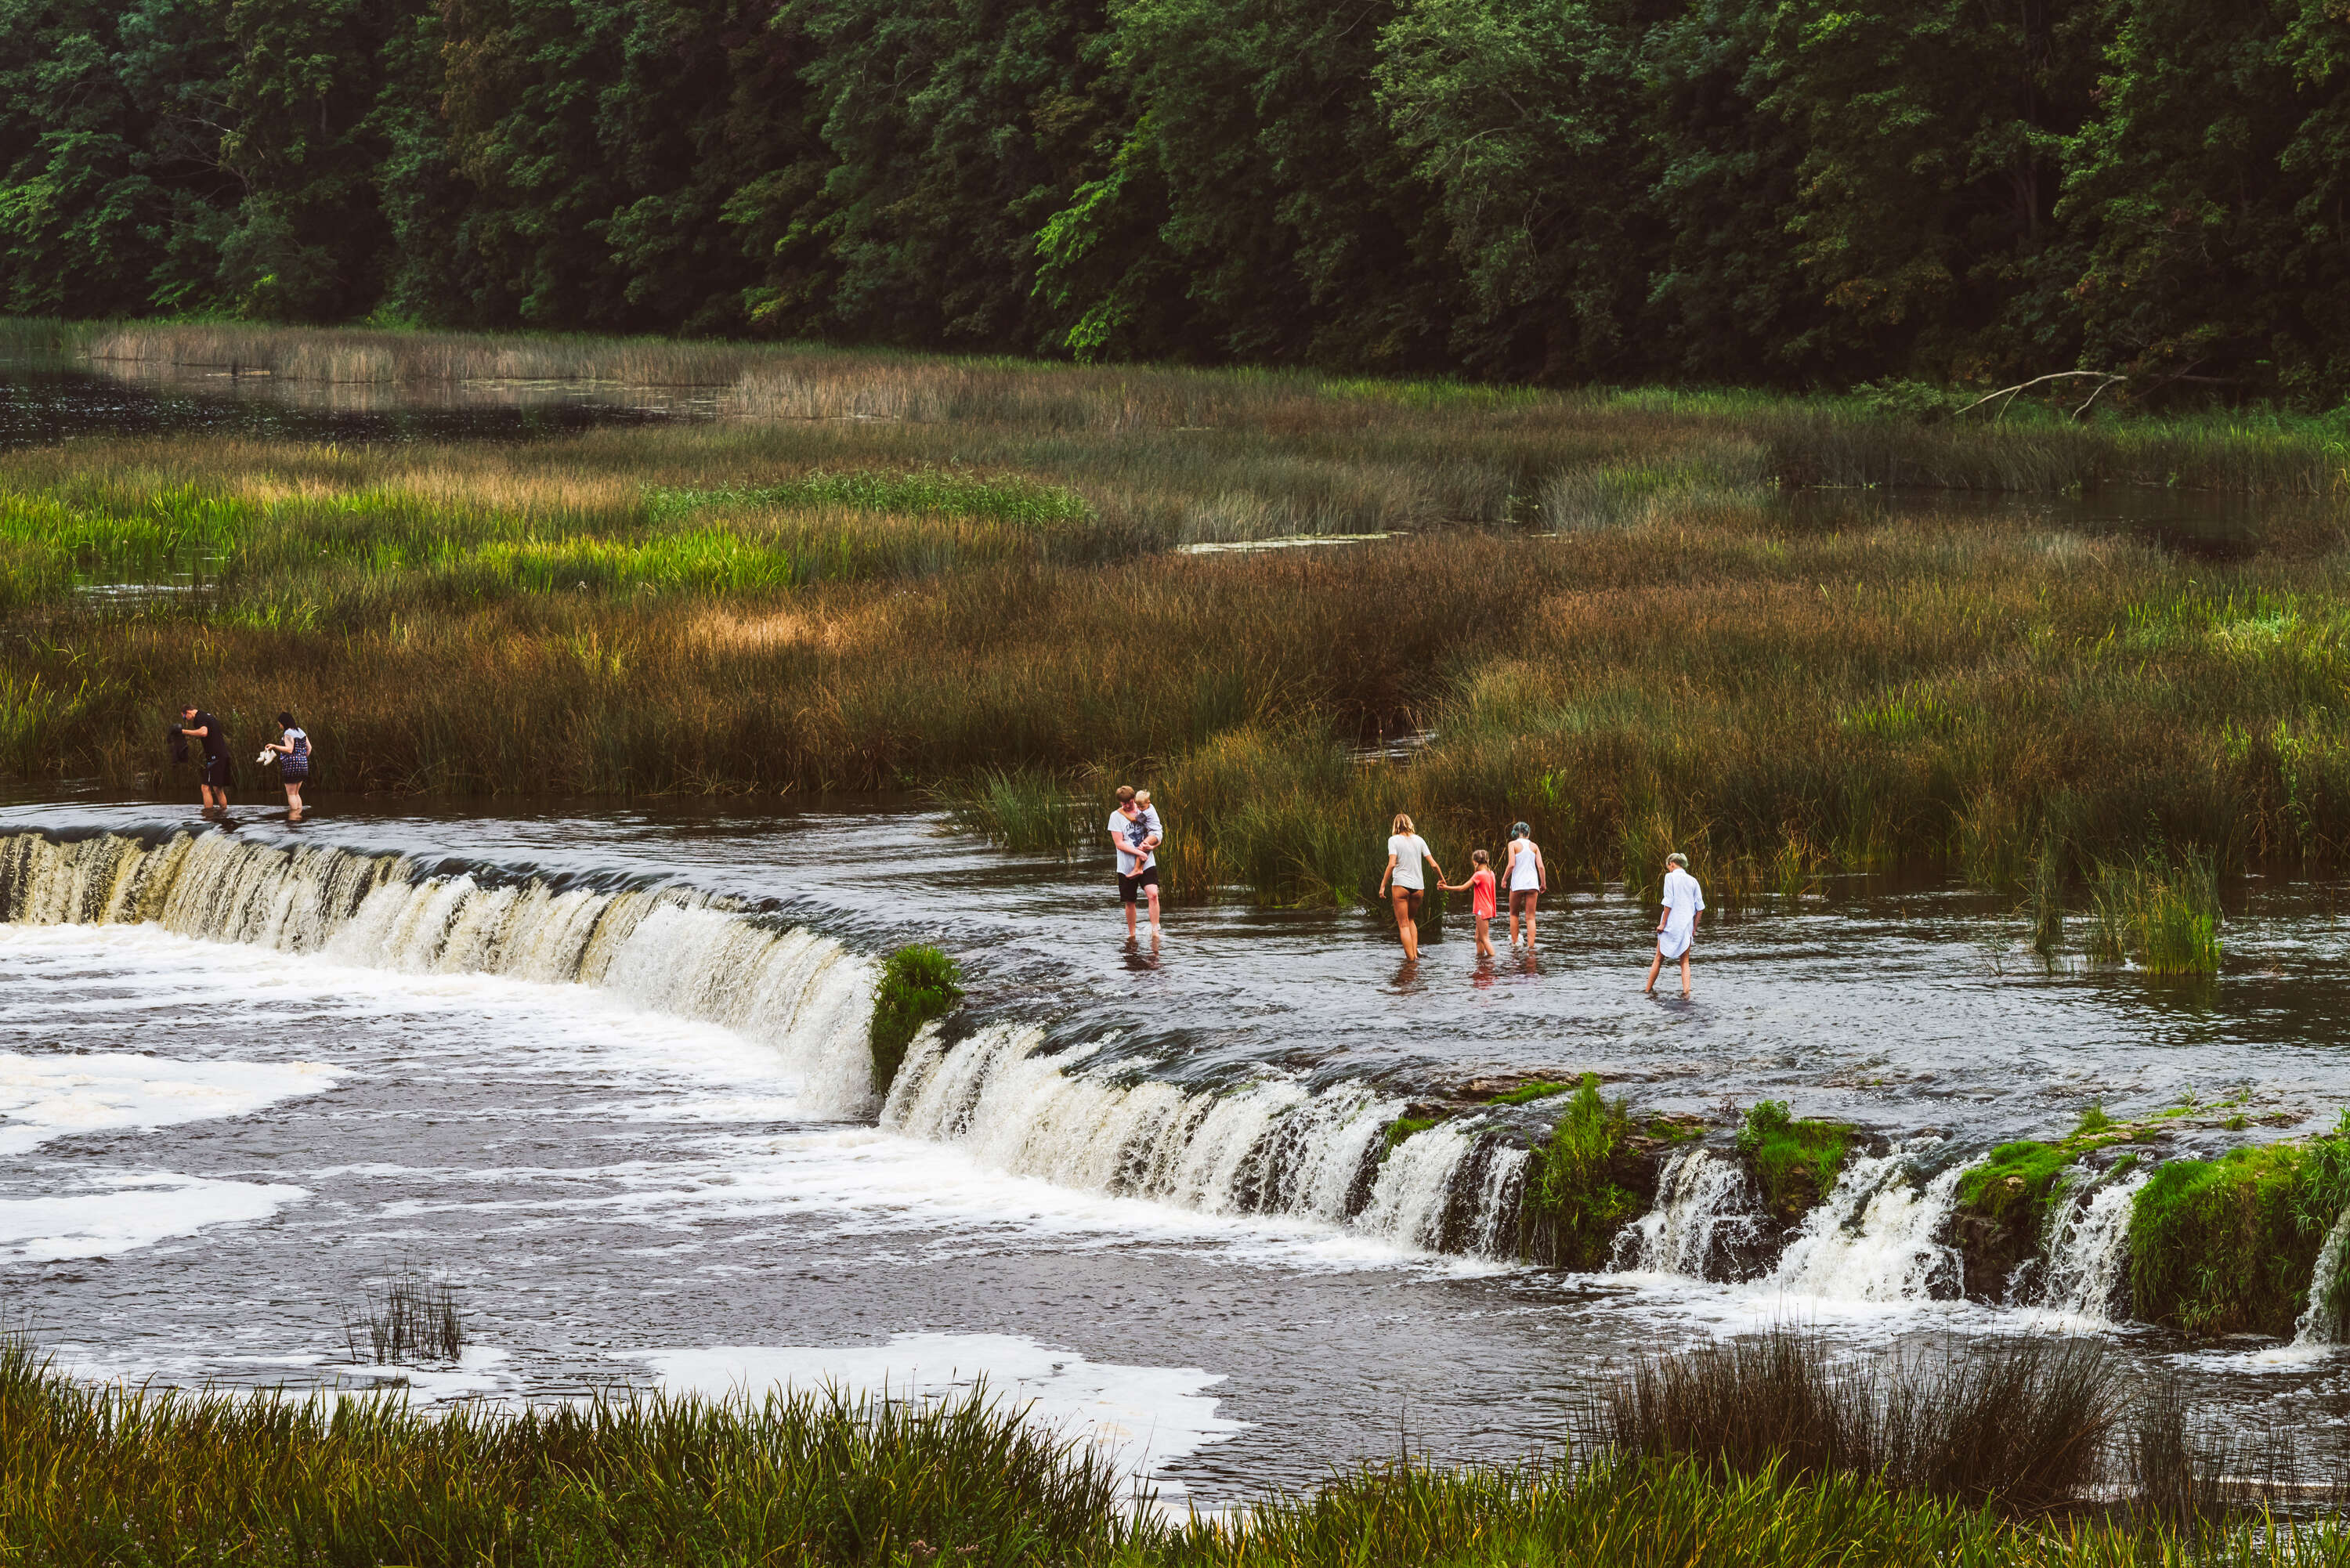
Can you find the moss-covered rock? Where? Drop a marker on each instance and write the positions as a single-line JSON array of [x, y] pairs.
[[918, 984], [2228, 1245], [2000, 1214], [1795, 1162], [1585, 1183]]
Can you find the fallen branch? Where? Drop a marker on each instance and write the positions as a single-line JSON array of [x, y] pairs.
[[2105, 378]]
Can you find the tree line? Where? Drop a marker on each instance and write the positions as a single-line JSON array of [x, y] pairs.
[[1792, 193]]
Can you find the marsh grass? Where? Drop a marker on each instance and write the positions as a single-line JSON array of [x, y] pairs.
[[983, 581], [2160, 910], [2021, 1422], [1575, 1197], [1022, 809], [410, 1318], [92, 1476], [1795, 1161]]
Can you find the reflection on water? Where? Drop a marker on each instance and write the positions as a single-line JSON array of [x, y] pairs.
[[48, 403]]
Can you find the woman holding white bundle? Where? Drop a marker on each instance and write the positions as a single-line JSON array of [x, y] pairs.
[[1676, 929], [293, 751]]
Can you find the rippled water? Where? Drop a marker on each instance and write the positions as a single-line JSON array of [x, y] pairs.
[[658, 1170]]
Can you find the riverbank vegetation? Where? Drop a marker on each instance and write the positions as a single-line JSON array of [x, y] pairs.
[[1620, 621], [97, 1475]]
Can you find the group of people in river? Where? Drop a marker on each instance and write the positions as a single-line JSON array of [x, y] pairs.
[[290, 751], [1136, 834]]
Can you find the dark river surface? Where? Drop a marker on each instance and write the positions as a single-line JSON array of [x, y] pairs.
[[604, 1071]]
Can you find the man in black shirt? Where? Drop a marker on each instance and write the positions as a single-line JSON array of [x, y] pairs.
[[195, 722]]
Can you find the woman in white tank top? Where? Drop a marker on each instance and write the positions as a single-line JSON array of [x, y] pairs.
[[1526, 880]]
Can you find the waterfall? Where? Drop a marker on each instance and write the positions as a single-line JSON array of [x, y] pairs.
[[1874, 1238], [1702, 1222], [2320, 1323], [2088, 1245], [1269, 1145], [674, 949]]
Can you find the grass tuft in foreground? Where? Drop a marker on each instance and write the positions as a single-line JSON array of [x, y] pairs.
[[96, 1475], [2022, 1421]]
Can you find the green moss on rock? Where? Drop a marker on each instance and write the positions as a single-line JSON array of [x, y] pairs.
[[2228, 1245], [918, 984], [1582, 1187], [1795, 1160]]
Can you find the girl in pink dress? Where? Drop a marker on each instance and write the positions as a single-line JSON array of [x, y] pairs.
[[1480, 888]]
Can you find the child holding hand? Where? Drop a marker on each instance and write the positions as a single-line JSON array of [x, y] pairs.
[[1479, 886]]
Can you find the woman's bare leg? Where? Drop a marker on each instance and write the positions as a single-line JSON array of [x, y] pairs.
[[1685, 980], [1405, 927], [1656, 967]]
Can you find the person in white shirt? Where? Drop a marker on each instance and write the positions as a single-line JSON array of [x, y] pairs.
[[1676, 929], [1406, 851], [1134, 834], [1526, 880]]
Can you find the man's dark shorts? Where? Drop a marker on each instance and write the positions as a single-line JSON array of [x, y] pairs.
[[1129, 888], [216, 771]]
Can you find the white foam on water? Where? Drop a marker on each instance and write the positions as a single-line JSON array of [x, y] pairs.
[[48, 1097], [129, 1211], [1142, 1418]]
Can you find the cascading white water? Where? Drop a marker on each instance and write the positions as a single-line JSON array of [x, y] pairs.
[[672, 950], [1271, 1145], [1705, 1205], [1874, 1239], [2088, 1245], [2320, 1323]]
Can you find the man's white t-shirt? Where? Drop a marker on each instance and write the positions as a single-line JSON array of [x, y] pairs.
[[1131, 864], [1409, 849]]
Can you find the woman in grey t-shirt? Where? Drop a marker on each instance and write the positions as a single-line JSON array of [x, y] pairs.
[[1406, 851]]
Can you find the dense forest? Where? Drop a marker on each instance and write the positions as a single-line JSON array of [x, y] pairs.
[[1766, 192]]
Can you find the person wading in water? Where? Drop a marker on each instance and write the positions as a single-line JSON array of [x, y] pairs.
[[200, 726], [294, 770], [1134, 834], [1676, 929], [1406, 851]]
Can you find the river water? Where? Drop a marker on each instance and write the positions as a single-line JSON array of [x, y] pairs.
[[605, 1073]]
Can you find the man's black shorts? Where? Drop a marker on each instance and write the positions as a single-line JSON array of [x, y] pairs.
[[1129, 888], [216, 771]]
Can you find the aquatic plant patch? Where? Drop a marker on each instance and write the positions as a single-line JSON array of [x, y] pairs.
[[1581, 1184], [2229, 1245]]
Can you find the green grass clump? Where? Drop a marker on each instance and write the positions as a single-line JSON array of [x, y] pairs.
[[1575, 1199], [1795, 1162], [2012, 1185], [101, 1477], [109, 1476], [1403, 1128], [2163, 913], [1008, 498], [918, 984], [1540, 1089], [1024, 809], [2229, 1245]]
